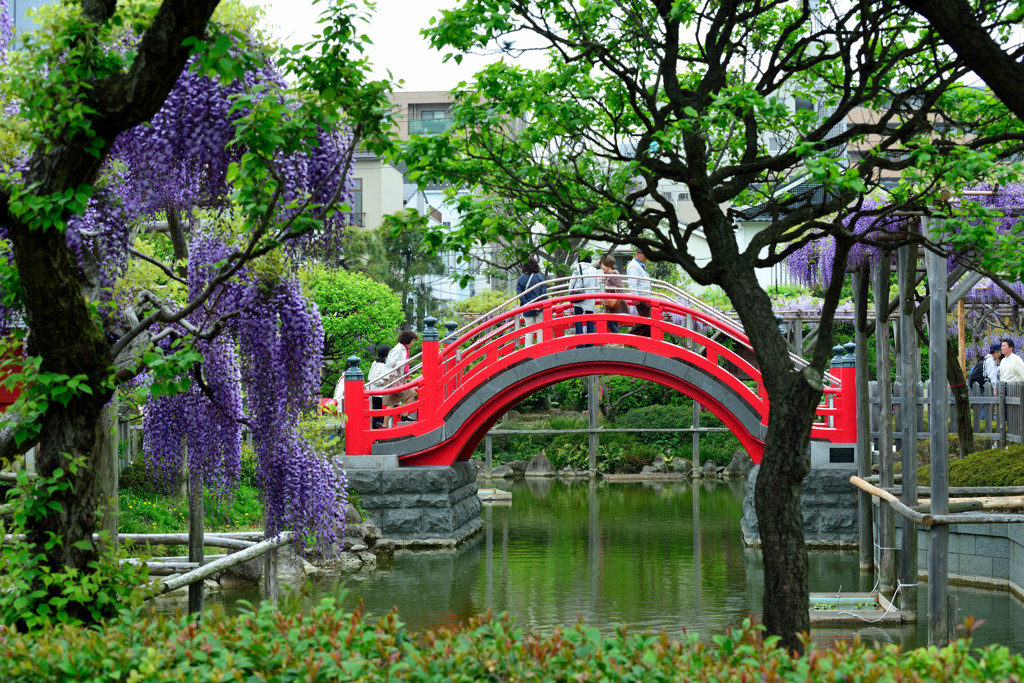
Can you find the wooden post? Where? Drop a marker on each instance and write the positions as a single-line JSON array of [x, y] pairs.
[[109, 471], [488, 456], [357, 422], [886, 519], [798, 335], [938, 429], [864, 501], [196, 513], [910, 373], [593, 408], [270, 576]]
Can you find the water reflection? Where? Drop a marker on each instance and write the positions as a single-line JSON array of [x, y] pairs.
[[655, 555]]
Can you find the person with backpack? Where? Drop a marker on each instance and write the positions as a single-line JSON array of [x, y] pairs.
[[986, 370], [530, 287]]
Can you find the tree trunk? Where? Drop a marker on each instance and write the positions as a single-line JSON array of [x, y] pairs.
[[961, 398], [794, 395]]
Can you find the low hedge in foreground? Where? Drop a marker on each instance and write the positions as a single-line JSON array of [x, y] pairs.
[[328, 645]]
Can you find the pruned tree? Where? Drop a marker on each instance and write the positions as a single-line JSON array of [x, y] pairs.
[[738, 101]]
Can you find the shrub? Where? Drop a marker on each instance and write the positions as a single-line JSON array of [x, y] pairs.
[[659, 417], [326, 643], [134, 478], [994, 467]]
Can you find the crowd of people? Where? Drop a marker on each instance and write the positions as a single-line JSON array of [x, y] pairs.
[[586, 279]]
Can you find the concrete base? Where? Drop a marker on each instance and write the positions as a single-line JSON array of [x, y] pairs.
[[420, 506], [829, 505]]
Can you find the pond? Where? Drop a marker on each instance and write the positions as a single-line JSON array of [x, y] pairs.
[[653, 555]]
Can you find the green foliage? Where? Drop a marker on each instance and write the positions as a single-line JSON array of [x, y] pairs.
[[659, 417], [326, 643], [35, 596], [324, 434], [357, 314], [397, 255], [994, 467], [478, 304]]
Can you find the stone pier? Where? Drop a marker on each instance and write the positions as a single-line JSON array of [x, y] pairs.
[[829, 505], [419, 506]]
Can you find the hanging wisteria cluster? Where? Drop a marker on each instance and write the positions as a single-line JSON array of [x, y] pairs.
[[812, 264], [263, 369]]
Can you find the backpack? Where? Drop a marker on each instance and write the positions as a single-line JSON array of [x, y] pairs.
[[977, 375]]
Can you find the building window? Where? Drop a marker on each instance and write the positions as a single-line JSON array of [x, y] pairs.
[[683, 196], [358, 215]]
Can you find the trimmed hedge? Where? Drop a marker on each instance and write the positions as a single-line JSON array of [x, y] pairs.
[[994, 467], [327, 644]]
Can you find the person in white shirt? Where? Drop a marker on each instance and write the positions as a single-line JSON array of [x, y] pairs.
[[398, 366], [376, 380], [585, 279], [636, 271], [1011, 368], [990, 370]]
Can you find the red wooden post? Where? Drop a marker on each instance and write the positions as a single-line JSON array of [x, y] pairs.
[[357, 425], [849, 379], [657, 330], [430, 389]]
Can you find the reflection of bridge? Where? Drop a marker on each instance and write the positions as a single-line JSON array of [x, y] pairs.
[[471, 378]]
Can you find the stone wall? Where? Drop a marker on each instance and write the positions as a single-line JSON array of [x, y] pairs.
[[978, 554], [420, 506], [829, 504]]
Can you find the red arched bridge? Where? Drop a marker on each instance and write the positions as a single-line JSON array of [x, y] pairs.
[[467, 381]]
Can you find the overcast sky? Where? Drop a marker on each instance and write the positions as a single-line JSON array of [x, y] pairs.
[[397, 45]]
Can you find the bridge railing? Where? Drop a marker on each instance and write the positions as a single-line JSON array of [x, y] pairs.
[[449, 372]]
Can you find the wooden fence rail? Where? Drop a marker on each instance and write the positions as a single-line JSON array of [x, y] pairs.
[[996, 411]]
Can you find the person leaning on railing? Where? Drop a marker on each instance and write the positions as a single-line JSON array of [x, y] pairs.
[[636, 271]]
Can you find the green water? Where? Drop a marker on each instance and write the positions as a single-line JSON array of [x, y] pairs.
[[656, 555]]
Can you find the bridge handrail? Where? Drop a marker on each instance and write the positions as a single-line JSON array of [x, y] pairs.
[[660, 289]]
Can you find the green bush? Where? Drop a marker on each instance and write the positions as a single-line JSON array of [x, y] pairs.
[[660, 417], [329, 644], [994, 467], [134, 478], [35, 596]]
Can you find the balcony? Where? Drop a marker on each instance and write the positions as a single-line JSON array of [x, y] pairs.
[[429, 126]]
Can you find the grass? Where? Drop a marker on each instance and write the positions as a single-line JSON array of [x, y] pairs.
[[153, 513]]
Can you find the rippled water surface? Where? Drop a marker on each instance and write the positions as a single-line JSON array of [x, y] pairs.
[[656, 555]]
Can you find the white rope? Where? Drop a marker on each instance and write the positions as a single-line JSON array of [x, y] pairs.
[[891, 608]]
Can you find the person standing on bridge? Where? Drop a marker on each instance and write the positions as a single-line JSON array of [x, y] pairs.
[[584, 280], [377, 378], [1011, 367], [640, 285], [530, 287], [398, 366], [612, 285]]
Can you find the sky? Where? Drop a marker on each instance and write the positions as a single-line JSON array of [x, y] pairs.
[[394, 30]]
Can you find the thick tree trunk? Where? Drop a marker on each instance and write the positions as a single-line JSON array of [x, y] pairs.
[[794, 394]]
